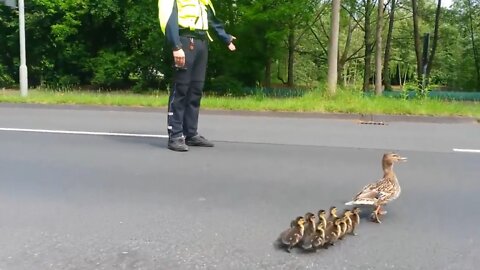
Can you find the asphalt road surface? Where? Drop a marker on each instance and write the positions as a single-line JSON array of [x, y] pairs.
[[96, 188]]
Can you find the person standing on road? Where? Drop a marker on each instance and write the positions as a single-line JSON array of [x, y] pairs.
[[185, 24]]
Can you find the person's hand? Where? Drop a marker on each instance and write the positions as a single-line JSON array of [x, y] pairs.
[[179, 58], [231, 46]]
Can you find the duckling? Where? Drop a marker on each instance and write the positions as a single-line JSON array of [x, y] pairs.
[[333, 232], [310, 223], [315, 240], [343, 227], [294, 234], [383, 191], [307, 241], [332, 215], [348, 220], [355, 217], [336, 233], [322, 218], [309, 231], [319, 239]]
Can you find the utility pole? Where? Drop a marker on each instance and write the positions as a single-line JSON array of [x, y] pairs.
[[23, 54]]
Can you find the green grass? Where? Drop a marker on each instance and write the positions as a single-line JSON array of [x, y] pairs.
[[343, 102], [86, 98]]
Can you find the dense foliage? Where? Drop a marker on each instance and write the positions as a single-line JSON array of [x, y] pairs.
[[113, 44]]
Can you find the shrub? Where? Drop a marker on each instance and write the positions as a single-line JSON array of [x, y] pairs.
[[5, 78], [110, 69], [225, 85]]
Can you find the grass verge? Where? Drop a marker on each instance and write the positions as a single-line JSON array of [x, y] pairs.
[[344, 102]]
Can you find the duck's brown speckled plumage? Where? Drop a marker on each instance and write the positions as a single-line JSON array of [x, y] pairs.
[[384, 190]]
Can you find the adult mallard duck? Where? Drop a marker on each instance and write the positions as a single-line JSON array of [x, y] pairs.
[[383, 191]]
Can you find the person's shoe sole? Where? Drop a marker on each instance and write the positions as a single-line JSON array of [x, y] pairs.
[[199, 144], [178, 149]]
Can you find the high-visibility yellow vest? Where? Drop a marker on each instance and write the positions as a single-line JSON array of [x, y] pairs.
[[192, 14]]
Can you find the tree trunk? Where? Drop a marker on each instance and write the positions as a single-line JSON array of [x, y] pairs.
[[386, 61], [333, 48], [399, 72], [378, 52], [416, 40], [474, 47], [291, 56], [344, 56], [435, 39], [368, 47]]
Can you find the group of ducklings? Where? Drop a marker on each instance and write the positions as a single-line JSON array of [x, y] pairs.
[[311, 234]]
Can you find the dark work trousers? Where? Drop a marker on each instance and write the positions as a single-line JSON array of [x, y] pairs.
[[186, 93]]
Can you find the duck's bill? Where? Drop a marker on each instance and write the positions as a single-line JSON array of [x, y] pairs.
[[402, 158]]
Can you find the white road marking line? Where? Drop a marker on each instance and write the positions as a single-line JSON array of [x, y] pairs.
[[466, 150], [73, 132]]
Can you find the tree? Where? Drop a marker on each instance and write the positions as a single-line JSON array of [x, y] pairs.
[[435, 39], [476, 55], [295, 14], [378, 52], [416, 33], [368, 45], [351, 40], [8, 46], [333, 47], [388, 46], [264, 44], [416, 39], [118, 44]]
